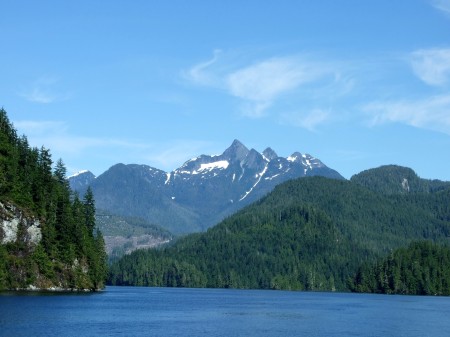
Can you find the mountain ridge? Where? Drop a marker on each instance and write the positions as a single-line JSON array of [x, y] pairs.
[[202, 191], [395, 179]]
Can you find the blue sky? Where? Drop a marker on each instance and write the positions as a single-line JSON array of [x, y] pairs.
[[357, 84]]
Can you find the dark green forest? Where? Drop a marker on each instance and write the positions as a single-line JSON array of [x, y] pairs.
[[308, 234], [423, 268], [71, 253], [393, 179]]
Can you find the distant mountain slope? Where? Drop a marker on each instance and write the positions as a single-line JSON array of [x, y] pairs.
[[310, 233], [123, 235], [201, 192], [80, 181], [392, 179]]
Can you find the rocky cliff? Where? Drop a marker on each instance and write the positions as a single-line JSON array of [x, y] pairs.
[[22, 254], [16, 226]]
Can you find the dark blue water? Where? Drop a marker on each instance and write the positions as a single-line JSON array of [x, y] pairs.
[[126, 311]]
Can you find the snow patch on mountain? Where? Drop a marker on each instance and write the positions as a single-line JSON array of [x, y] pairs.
[[272, 177], [292, 158], [78, 173], [260, 175], [168, 174], [222, 164]]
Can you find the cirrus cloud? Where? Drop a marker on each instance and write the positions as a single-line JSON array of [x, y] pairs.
[[44, 90], [261, 84], [200, 73], [38, 95], [264, 82], [431, 113], [307, 120], [432, 66], [442, 5], [73, 148]]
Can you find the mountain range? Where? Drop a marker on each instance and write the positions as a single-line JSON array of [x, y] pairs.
[[313, 233], [200, 193]]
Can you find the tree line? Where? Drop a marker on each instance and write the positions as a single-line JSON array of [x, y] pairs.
[[422, 268]]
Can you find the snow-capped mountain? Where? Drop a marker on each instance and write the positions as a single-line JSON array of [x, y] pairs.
[[202, 191], [81, 180]]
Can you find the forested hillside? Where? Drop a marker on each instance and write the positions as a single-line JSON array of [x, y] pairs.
[[47, 235], [393, 179], [289, 249], [423, 268], [309, 233]]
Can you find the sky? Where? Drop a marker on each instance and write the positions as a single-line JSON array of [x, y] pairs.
[[357, 84]]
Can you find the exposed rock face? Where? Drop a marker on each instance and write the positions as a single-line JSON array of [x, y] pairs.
[[405, 184], [15, 225], [129, 244]]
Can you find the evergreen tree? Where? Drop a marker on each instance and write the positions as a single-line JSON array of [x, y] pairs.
[[89, 207], [69, 254], [60, 173], [423, 268]]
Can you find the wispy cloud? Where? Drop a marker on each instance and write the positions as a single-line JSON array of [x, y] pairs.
[[259, 85], [34, 128], [432, 113], [77, 150], [57, 136], [313, 86], [38, 95], [309, 120], [432, 65], [44, 91], [442, 5], [201, 74]]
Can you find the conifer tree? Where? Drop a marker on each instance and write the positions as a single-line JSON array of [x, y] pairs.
[[89, 210], [69, 254]]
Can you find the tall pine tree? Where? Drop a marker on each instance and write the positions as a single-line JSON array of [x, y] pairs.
[[70, 254]]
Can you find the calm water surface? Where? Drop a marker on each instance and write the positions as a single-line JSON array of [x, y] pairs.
[[133, 311]]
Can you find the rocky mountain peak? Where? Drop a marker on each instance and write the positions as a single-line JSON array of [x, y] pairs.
[[80, 180], [254, 160], [236, 152], [270, 154], [295, 157], [85, 173]]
